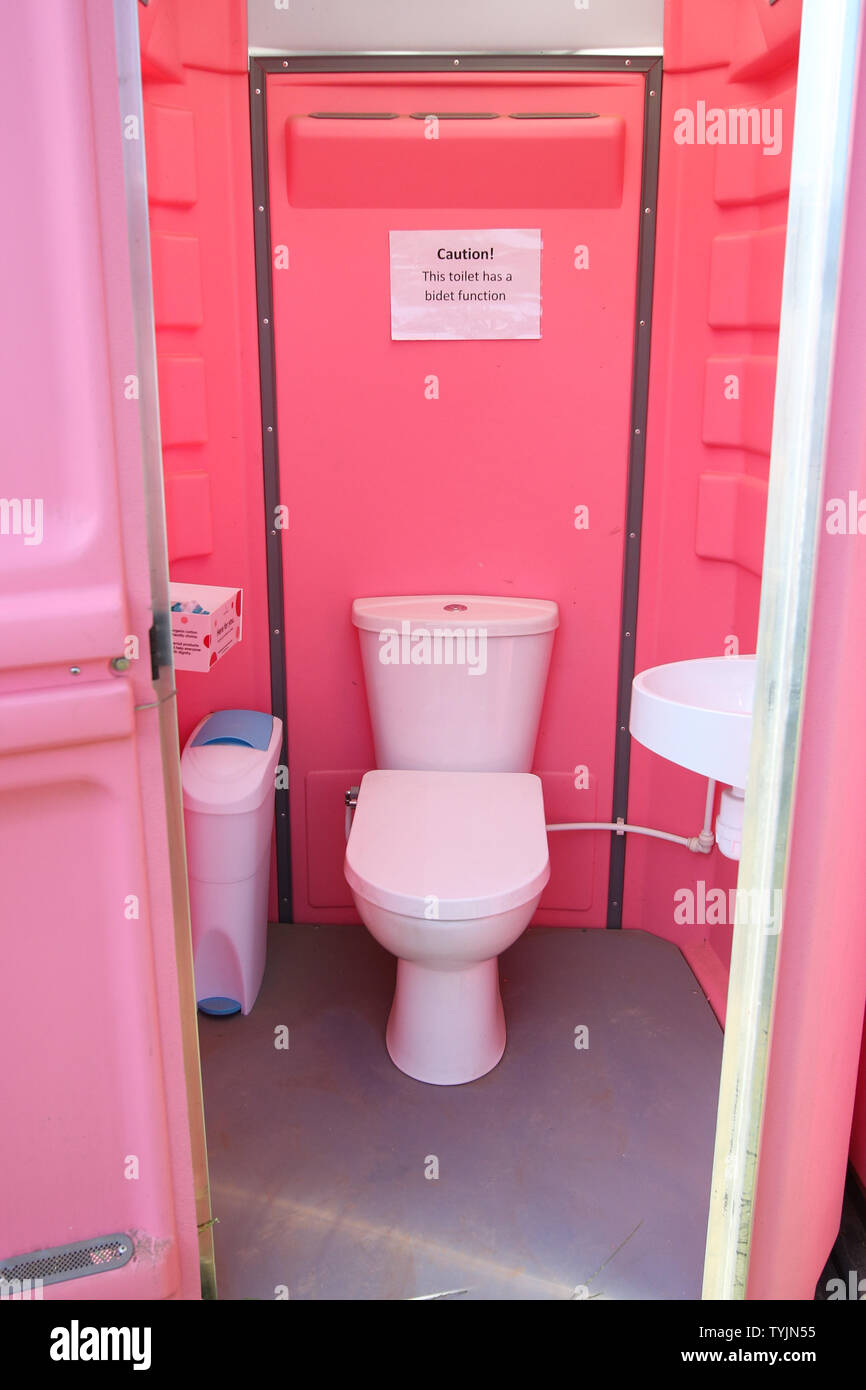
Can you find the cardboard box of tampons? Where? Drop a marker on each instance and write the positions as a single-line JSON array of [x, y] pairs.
[[205, 623]]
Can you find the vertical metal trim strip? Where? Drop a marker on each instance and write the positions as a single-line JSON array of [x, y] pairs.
[[270, 464], [636, 472]]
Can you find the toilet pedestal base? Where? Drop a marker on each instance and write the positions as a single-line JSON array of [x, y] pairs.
[[446, 1027]]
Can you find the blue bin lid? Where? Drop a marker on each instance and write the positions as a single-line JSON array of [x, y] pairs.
[[248, 727]]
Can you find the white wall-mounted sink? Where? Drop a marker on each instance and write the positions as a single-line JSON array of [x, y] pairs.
[[698, 714]]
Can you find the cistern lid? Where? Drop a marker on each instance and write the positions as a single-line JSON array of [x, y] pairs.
[[499, 617]]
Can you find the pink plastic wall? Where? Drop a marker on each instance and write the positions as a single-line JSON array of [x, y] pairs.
[[717, 297], [394, 487], [196, 94], [93, 1095], [196, 112], [721, 242]]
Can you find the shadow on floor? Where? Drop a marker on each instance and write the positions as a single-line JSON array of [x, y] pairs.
[[844, 1275]]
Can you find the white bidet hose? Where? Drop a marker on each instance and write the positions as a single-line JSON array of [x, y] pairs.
[[698, 844]]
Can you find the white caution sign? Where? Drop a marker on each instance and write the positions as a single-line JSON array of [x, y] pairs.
[[466, 284]]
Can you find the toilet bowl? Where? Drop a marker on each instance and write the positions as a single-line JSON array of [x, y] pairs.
[[447, 854], [446, 870]]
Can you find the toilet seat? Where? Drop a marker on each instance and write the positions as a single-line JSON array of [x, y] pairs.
[[448, 845]]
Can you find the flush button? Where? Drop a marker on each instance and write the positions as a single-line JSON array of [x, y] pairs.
[[456, 608]]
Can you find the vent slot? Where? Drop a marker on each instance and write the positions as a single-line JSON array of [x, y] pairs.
[[354, 116], [553, 116], [455, 115], [74, 1261]]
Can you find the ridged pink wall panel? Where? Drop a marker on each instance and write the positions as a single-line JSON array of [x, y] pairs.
[[196, 108], [717, 297], [194, 69]]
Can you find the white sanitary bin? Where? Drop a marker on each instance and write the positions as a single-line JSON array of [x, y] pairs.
[[227, 772]]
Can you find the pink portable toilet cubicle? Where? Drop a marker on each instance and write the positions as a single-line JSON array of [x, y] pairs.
[[227, 771], [80, 758]]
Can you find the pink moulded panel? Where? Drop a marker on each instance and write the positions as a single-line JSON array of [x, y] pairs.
[[177, 301], [160, 43], [765, 38], [697, 36], [84, 1100], [206, 34], [738, 402], [732, 515], [61, 594], [757, 172], [213, 35], [746, 279], [189, 521], [171, 173], [183, 397]]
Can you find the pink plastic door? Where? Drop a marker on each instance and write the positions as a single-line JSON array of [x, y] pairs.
[[93, 1094]]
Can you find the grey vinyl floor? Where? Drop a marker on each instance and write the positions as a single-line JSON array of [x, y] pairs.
[[566, 1173]]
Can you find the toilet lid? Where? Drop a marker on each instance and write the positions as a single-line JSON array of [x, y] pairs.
[[469, 843]]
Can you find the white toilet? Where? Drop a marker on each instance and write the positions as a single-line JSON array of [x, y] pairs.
[[447, 854]]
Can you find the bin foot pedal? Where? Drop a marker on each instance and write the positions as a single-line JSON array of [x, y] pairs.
[[218, 1005]]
